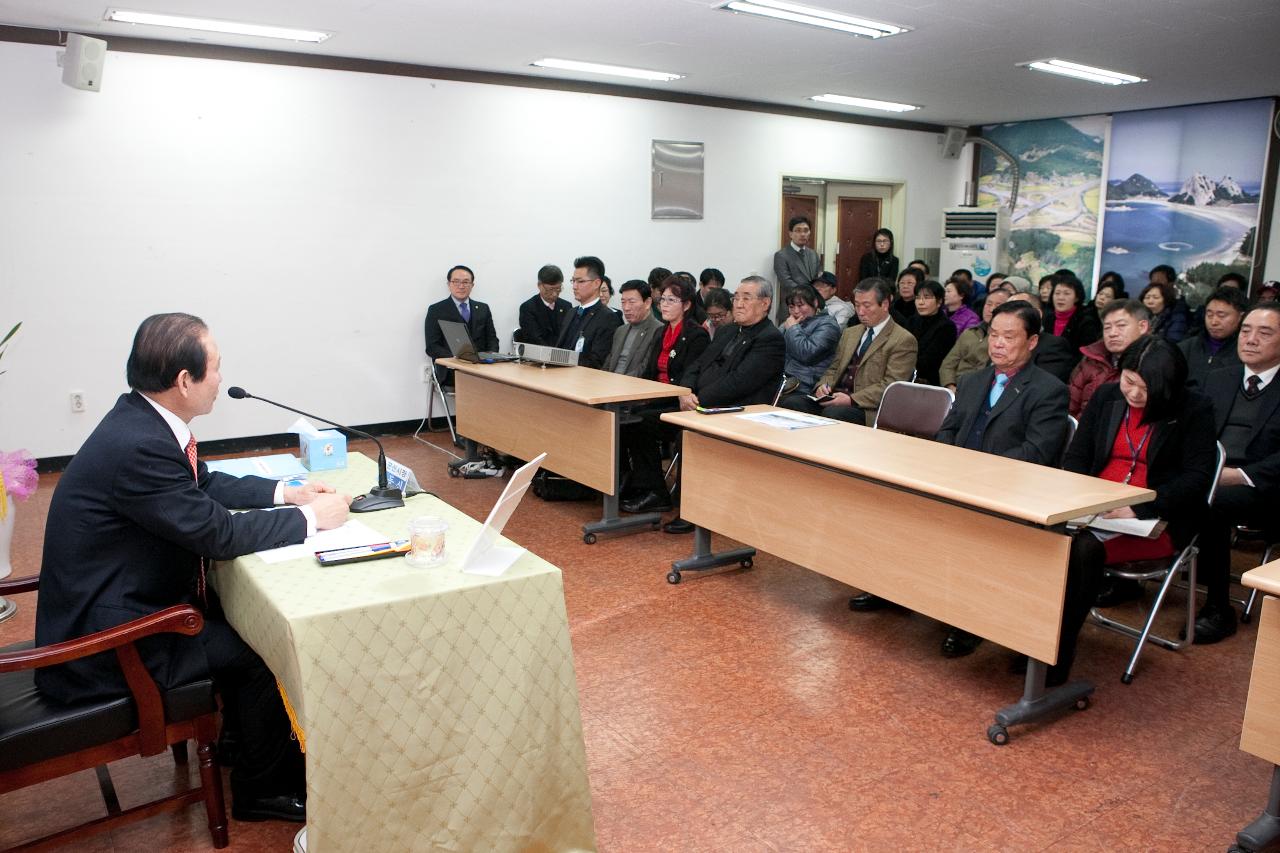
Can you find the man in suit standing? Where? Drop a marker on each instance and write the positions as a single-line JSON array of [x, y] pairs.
[[1011, 408], [135, 522], [541, 314], [1245, 401], [635, 340], [869, 357], [460, 308], [795, 264], [588, 328]]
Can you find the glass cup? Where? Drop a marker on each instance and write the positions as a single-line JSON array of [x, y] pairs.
[[426, 541]]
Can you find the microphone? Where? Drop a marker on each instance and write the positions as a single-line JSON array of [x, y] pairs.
[[383, 497]]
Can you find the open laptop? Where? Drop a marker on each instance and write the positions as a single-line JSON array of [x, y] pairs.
[[459, 341]]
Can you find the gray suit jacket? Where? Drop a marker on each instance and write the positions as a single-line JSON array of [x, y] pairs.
[[792, 268], [649, 333]]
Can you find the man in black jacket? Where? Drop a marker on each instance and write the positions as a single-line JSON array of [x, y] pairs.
[[460, 308], [132, 526], [542, 314], [588, 328], [1245, 404], [1215, 347]]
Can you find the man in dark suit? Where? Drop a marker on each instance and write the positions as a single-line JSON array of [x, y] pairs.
[[1215, 347], [741, 367], [1245, 404], [795, 264], [1011, 408], [460, 308], [541, 314], [636, 339], [588, 328], [133, 524]]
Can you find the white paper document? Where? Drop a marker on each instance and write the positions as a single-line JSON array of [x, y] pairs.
[[278, 466], [349, 535], [1146, 528], [788, 420]]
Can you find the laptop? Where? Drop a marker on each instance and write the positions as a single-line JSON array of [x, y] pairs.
[[459, 341]]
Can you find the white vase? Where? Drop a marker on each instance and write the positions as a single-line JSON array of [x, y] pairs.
[[6, 537]]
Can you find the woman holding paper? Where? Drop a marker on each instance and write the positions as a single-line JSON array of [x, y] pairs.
[[1146, 430]]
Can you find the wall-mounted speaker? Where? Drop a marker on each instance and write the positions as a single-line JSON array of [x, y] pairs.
[[82, 62], [953, 142]]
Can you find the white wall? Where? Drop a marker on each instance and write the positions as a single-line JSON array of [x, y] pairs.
[[309, 216]]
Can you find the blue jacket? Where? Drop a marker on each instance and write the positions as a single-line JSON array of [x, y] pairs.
[[811, 344]]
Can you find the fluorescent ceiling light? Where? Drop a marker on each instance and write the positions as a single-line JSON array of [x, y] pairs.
[[813, 17], [124, 16], [866, 103], [614, 70], [1083, 72]]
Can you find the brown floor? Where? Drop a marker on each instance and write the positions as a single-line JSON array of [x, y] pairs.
[[751, 710]]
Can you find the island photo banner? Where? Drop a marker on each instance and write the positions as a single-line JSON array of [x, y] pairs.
[[1055, 222], [1183, 189]]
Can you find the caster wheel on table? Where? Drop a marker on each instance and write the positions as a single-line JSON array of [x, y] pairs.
[[1127, 678], [1082, 703], [1246, 618], [673, 577], [747, 563], [454, 472], [589, 538], [998, 734]]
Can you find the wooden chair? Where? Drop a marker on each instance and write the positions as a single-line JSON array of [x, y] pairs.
[[41, 739]]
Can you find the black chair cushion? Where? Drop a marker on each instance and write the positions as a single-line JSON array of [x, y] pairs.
[[34, 728]]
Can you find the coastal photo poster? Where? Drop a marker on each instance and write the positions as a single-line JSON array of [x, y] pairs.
[[1182, 189], [1055, 222]]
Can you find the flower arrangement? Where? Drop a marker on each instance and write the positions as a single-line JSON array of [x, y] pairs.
[[18, 477]]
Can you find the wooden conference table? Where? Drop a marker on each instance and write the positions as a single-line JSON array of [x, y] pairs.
[[1261, 733], [439, 709], [571, 413], [994, 562]]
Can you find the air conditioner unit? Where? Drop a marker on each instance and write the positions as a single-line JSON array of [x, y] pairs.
[[976, 239]]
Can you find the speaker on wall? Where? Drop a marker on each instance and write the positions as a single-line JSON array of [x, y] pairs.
[[953, 142], [82, 62]]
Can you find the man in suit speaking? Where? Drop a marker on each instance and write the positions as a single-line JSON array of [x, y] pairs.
[[133, 525], [460, 308]]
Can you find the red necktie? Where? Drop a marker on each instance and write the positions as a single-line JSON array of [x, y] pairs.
[[195, 472]]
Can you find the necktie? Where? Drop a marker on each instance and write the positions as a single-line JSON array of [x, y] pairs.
[[997, 389], [201, 592], [580, 311], [465, 310], [1253, 390], [866, 342]]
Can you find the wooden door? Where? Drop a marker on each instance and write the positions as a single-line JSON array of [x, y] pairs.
[[858, 220], [800, 205]]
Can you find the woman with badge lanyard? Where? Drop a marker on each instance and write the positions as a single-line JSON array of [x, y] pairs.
[[1146, 430]]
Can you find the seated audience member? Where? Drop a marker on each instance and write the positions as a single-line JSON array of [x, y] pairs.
[[656, 277], [680, 340], [606, 292], [1046, 293], [134, 524], [1169, 316], [1110, 287], [696, 313], [880, 262], [1149, 431], [460, 308], [956, 304], [935, 334], [1246, 422], [795, 263], [837, 309], [970, 350], [541, 314], [719, 309], [1070, 317], [870, 356], [994, 281], [635, 341], [810, 336], [708, 280], [904, 302], [1215, 348], [1123, 322], [1052, 354], [1012, 409], [588, 328], [922, 266], [1269, 292], [1234, 279], [741, 367]]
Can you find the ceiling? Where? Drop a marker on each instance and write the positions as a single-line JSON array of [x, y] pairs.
[[958, 62]]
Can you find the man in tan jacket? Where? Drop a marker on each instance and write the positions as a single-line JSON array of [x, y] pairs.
[[870, 356]]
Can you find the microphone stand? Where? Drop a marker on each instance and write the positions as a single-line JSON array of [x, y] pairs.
[[382, 497]]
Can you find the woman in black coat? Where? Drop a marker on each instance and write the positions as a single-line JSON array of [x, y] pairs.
[[683, 338], [1146, 430], [880, 262], [1069, 316], [934, 331]]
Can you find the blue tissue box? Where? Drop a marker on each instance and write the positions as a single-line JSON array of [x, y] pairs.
[[324, 452]]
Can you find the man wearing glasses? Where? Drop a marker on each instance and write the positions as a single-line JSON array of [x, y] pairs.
[[541, 315], [460, 308], [588, 328]]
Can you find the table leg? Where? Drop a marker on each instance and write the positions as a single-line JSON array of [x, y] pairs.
[[703, 558], [1264, 832], [610, 521], [1037, 703]]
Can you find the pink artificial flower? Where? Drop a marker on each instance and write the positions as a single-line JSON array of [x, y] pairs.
[[19, 472]]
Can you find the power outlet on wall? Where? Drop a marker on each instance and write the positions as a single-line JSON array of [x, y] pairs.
[[77, 401]]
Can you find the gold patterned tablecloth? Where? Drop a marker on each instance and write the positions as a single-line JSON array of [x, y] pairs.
[[440, 709]]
